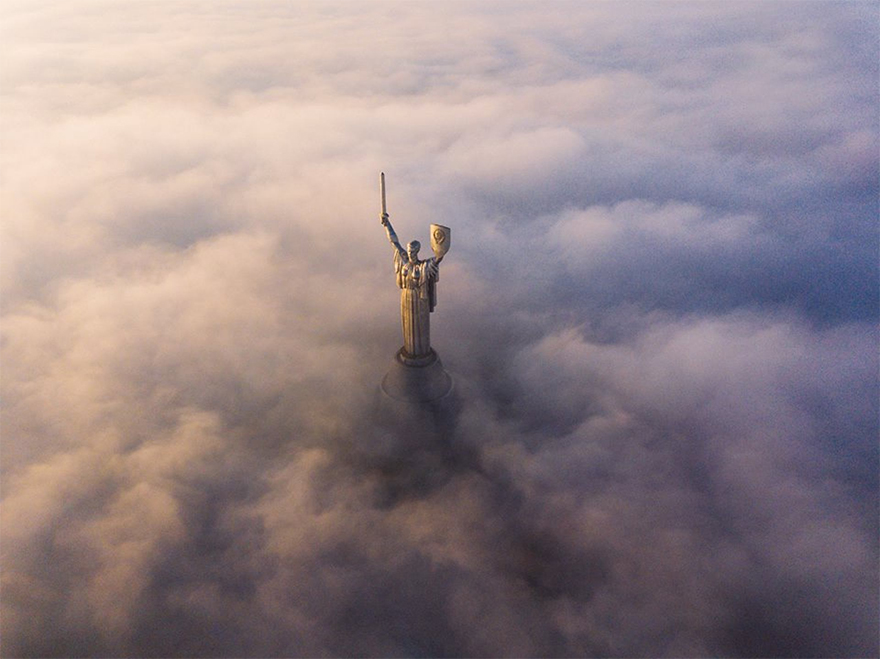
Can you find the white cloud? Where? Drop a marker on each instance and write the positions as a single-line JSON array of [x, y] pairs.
[[661, 302]]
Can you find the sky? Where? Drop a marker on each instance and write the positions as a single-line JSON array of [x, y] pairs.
[[660, 310]]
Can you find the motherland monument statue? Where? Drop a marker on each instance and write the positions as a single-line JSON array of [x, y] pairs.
[[416, 373]]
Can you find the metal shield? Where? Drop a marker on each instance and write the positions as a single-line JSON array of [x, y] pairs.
[[441, 237]]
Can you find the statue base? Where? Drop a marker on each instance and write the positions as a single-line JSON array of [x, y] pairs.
[[416, 379]]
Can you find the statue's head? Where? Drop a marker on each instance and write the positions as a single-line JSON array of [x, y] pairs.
[[412, 249]]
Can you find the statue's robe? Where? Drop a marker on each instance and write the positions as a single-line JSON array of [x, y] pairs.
[[418, 297]]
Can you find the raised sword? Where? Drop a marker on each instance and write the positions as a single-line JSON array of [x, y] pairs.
[[382, 192]]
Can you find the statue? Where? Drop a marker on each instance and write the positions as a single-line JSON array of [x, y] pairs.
[[417, 281], [416, 377]]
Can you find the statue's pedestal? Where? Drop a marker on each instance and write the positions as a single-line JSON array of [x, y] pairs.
[[416, 379], [414, 444]]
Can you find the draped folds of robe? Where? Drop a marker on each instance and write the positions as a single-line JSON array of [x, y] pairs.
[[417, 292]]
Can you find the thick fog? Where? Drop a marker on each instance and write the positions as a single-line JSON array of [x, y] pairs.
[[660, 310]]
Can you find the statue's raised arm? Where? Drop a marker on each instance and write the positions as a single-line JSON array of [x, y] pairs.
[[392, 236]]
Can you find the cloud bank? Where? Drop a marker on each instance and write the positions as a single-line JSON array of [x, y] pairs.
[[660, 309]]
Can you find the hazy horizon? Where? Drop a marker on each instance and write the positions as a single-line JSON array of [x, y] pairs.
[[660, 306]]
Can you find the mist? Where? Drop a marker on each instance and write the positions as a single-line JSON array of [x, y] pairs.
[[660, 310]]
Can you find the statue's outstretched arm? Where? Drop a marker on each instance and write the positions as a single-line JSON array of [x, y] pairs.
[[434, 267], [392, 237]]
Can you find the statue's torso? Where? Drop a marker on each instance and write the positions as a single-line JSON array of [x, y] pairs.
[[412, 275]]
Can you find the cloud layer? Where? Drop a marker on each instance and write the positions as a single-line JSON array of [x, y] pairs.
[[660, 309]]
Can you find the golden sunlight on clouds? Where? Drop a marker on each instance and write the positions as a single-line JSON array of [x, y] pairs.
[[659, 310]]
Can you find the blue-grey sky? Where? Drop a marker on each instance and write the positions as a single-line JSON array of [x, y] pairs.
[[660, 308]]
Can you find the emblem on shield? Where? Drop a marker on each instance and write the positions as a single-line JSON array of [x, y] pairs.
[[441, 236]]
